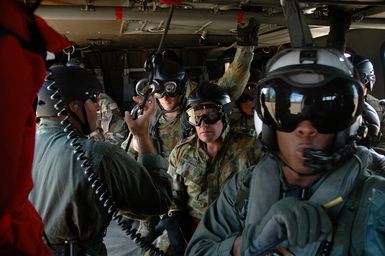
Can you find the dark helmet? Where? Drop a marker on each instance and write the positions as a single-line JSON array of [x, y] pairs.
[[366, 71], [208, 92], [169, 76], [170, 68], [315, 84], [74, 83]]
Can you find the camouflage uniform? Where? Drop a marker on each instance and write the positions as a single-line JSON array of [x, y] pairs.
[[380, 109], [111, 120], [233, 81], [240, 120], [197, 181], [194, 174]]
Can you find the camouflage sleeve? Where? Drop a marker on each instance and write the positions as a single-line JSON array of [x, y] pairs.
[[220, 225], [235, 79], [179, 191]]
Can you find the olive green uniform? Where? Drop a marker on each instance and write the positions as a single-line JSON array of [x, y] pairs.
[[64, 199], [359, 221]]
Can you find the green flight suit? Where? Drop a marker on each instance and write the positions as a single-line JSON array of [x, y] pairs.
[[359, 221], [64, 199]]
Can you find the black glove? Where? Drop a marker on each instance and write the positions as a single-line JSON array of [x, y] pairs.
[[179, 230], [298, 222], [248, 33]]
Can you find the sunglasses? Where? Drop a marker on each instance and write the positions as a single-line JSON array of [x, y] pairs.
[[209, 113], [332, 105]]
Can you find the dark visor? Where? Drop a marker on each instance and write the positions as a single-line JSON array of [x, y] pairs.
[[331, 106]]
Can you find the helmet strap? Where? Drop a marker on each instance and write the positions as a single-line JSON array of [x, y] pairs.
[[84, 126]]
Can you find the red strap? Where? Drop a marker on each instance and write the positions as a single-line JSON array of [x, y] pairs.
[[171, 2], [119, 13], [240, 16]]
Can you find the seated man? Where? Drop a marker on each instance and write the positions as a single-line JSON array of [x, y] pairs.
[[202, 163], [66, 163], [313, 193]]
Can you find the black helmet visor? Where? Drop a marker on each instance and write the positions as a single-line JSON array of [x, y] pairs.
[[332, 105]]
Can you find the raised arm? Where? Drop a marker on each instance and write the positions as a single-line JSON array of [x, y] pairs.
[[235, 78]]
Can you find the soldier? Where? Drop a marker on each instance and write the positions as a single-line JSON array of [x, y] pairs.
[[202, 163], [75, 221], [111, 120], [313, 184], [24, 41], [366, 75], [243, 115], [168, 125]]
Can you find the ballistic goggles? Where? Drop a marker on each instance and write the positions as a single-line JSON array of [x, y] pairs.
[[159, 88], [332, 104], [197, 114]]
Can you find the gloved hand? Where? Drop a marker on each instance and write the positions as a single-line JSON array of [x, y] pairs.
[[298, 222], [179, 230], [248, 33]]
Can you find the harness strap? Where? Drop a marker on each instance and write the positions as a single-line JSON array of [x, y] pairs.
[[346, 219]]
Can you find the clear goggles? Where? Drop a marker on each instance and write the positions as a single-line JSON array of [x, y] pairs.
[[331, 105], [158, 88], [210, 113]]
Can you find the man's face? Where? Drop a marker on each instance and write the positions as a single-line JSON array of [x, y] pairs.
[[247, 107], [209, 133], [292, 144], [92, 107], [169, 103]]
